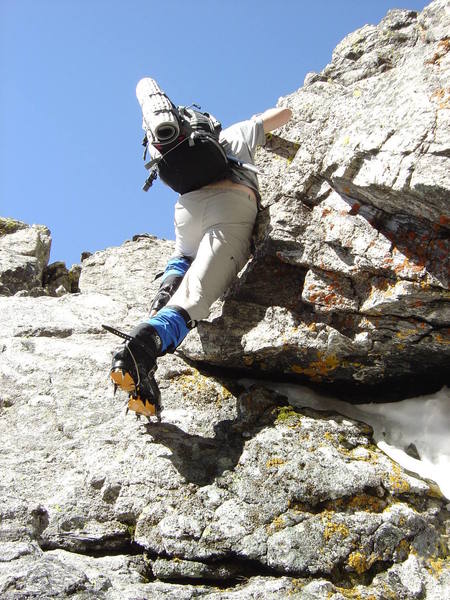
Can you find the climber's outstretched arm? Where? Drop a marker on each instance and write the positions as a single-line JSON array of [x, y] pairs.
[[275, 117]]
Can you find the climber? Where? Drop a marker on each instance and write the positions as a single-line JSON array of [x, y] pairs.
[[213, 227]]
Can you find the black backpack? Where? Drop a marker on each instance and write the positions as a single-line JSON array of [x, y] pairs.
[[194, 158]]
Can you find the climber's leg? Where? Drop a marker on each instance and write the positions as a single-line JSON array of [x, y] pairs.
[[228, 219], [188, 234], [171, 279], [172, 324]]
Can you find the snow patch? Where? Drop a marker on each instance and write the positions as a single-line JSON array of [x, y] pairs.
[[419, 424]]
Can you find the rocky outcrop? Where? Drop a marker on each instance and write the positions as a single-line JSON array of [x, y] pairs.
[[58, 280], [231, 484], [24, 254], [349, 280], [127, 272], [24, 268], [236, 494], [240, 492]]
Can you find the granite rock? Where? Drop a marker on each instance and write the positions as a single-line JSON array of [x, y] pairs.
[[349, 279], [24, 253], [237, 493]]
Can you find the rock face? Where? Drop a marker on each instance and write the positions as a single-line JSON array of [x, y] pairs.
[[24, 253], [239, 493], [24, 268], [349, 281], [231, 484]]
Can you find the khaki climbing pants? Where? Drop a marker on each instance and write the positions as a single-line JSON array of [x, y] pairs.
[[213, 226]]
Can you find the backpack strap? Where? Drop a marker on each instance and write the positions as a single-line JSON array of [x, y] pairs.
[[149, 181], [244, 165]]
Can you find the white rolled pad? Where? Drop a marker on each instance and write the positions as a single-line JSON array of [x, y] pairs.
[[159, 121]]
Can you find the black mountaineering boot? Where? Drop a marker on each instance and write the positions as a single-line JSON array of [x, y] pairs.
[[133, 368]]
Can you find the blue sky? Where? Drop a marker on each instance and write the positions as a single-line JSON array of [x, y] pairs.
[[70, 125]]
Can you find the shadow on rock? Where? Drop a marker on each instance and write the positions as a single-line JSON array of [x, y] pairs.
[[201, 460], [423, 244], [281, 147]]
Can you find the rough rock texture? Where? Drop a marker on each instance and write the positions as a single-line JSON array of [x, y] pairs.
[[234, 495], [237, 494], [58, 280], [349, 281], [24, 268], [235, 491], [127, 272], [24, 253]]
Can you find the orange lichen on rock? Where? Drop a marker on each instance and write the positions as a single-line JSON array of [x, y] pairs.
[[442, 97], [320, 368], [408, 267], [442, 49], [367, 503]]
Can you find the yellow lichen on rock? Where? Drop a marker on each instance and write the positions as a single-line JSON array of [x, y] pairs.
[[288, 416], [194, 383], [277, 524], [275, 462], [397, 482], [367, 503], [332, 527], [435, 566], [359, 562]]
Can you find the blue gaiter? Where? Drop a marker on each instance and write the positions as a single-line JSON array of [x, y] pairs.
[[177, 266], [170, 326]]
